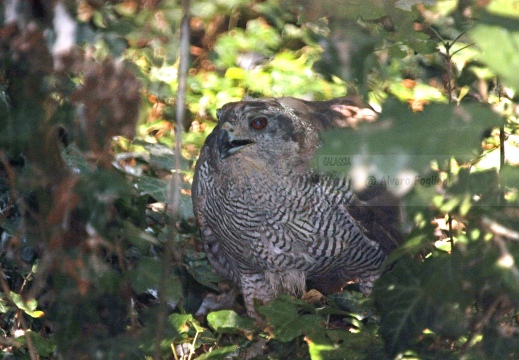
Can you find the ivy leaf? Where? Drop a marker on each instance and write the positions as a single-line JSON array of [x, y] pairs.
[[161, 156], [287, 324], [225, 352], [200, 269], [229, 322], [180, 322], [147, 275], [156, 188], [361, 345], [405, 308], [140, 238], [75, 160]]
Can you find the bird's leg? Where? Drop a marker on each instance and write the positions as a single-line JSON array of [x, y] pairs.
[[255, 286], [367, 281]]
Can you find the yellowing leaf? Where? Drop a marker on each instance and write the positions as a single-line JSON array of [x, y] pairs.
[[29, 306], [235, 73]]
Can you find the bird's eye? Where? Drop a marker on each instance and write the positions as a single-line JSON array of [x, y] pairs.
[[259, 123]]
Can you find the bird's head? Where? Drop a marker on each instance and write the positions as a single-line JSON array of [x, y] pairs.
[[275, 133], [265, 131]]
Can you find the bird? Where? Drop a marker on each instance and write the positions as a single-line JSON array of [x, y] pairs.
[[271, 222]]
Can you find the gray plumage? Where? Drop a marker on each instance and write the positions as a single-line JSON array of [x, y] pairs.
[[270, 223]]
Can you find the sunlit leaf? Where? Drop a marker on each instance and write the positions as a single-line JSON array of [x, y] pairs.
[[346, 345], [403, 140], [3, 306], [29, 306], [500, 50], [506, 8], [228, 321]]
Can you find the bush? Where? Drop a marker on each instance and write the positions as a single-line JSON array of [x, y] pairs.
[[100, 255]]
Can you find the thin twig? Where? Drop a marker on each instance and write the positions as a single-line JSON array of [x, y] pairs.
[[477, 328], [500, 230], [502, 147], [502, 139], [506, 257], [449, 66], [30, 344], [192, 350], [463, 48], [6, 341], [173, 348], [451, 238], [457, 38]]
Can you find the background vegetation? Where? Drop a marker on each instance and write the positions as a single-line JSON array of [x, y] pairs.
[[100, 256]]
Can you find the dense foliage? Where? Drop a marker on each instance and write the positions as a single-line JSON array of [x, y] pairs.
[[99, 261]]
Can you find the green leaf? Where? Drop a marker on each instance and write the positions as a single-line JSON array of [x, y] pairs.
[[403, 140], [414, 296], [405, 308], [500, 50], [354, 303], [346, 345], [154, 187], [509, 176], [158, 189], [147, 275], [43, 346], [140, 238], [3, 305], [200, 269], [220, 353], [286, 323], [507, 8], [75, 160], [355, 9], [180, 322], [229, 322], [28, 307], [161, 156]]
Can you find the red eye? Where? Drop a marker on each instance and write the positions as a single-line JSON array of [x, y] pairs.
[[259, 123]]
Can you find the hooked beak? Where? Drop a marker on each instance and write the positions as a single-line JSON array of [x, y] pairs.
[[228, 144]]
